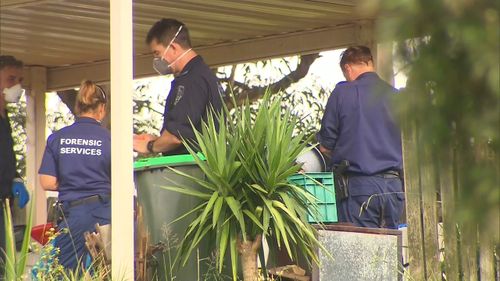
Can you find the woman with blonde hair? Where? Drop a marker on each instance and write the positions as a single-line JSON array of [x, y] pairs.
[[77, 164]]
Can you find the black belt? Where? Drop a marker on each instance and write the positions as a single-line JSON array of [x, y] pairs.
[[90, 199]]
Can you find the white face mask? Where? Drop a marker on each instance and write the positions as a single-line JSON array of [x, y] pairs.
[[13, 94]]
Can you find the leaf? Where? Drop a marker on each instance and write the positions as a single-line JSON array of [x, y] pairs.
[[187, 191], [10, 251], [235, 207], [266, 220], [21, 264], [259, 188], [209, 207], [224, 238], [253, 218], [202, 182], [291, 215], [217, 210], [196, 209], [234, 254], [281, 226]]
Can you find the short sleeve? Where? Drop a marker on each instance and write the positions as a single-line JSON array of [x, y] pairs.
[[330, 124], [189, 105], [49, 163]]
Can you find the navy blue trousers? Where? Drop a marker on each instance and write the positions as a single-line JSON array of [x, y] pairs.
[[373, 201], [78, 220]]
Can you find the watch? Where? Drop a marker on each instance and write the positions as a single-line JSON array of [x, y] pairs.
[[150, 146]]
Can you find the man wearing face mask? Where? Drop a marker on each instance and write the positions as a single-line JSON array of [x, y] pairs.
[[193, 92], [11, 184], [359, 134]]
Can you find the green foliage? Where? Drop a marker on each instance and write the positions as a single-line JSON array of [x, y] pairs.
[[212, 273], [451, 50], [246, 192], [306, 98], [171, 243], [58, 115], [148, 109], [17, 116], [56, 119], [48, 267], [312, 101], [15, 263]]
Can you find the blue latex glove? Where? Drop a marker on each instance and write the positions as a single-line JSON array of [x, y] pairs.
[[19, 191]]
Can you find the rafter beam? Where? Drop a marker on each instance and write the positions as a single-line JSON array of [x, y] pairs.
[[7, 4], [303, 42]]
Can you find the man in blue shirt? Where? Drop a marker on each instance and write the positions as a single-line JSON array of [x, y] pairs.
[[358, 126], [193, 93]]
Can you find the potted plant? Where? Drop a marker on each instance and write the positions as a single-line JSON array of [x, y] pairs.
[[246, 194]]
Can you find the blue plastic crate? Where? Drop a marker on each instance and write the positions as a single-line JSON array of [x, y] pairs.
[[321, 185]]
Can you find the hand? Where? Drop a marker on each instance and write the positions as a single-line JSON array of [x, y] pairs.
[[19, 191], [141, 142]]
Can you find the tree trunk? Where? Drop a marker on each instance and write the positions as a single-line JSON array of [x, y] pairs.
[[248, 254]]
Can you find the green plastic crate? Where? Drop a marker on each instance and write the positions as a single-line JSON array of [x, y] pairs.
[[321, 185]]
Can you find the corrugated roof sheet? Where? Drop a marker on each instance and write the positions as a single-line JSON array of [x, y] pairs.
[[57, 32]]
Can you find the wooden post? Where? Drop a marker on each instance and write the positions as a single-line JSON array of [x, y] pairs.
[[122, 181], [448, 198], [429, 212], [469, 254], [384, 61], [35, 129], [413, 200], [468, 230], [486, 260], [489, 238]]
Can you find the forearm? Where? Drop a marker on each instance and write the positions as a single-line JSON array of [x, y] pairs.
[[166, 142]]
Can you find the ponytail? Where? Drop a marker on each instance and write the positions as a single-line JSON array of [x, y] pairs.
[[89, 97]]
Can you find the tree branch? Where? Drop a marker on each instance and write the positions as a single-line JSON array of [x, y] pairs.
[[255, 93], [68, 97]]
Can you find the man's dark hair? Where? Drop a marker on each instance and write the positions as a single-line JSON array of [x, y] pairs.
[[11, 61], [165, 29], [355, 55]]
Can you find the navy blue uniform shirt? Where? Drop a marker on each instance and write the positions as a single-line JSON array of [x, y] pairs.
[[358, 126], [190, 97], [7, 158], [79, 156]]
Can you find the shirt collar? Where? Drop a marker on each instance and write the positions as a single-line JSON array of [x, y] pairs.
[[194, 61], [369, 74], [87, 120]]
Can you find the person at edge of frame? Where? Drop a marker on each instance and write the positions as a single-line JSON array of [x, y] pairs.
[[11, 184]]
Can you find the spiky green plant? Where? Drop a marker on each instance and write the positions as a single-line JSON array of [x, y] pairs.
[[246, 195], [15, 263]]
